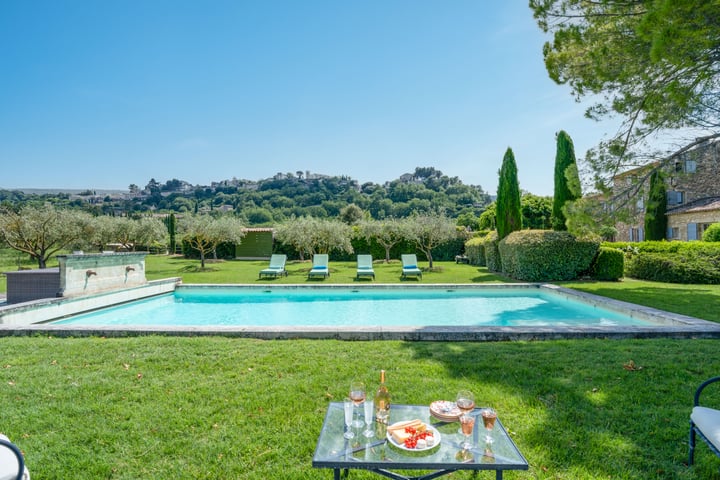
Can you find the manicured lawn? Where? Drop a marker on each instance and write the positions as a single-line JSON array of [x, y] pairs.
[[209, 408]]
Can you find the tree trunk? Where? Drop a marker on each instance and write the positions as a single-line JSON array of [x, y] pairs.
[[42, 262], [202, 259], [387, 254]]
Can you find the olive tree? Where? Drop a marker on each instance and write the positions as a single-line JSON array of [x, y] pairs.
[[296, 232], [204, 233], [145, 231], [310, 235], [43, 231], [387, 233], [428, 230]]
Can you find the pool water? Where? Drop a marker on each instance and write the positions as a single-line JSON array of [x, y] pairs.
[[354, 307]]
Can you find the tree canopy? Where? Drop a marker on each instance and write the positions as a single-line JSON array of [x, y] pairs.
[[653, 63]]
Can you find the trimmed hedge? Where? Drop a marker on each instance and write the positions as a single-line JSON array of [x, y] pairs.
[[672, 262], [492, 252], [712, 233], [688, 266], [609, 264], [475, 251], [663, 246], [546, 255]]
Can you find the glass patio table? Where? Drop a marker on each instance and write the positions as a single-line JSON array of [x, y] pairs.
[[379, 455]]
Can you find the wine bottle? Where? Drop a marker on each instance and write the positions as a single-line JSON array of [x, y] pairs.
[[382, 401]]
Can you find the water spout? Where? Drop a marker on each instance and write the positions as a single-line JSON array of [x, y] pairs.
[[90, 273], [129, 269]]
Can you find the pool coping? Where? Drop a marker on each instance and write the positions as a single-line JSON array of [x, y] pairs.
[[672, 325]]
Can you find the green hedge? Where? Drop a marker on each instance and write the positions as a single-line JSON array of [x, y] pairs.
[[673, 262], [687, 266], [475, 251], [609, 264], [712, 233], [492, 253], [546, 255], [702, 248]]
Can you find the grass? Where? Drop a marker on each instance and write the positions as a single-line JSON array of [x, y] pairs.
[[246, 271], [210, 407]]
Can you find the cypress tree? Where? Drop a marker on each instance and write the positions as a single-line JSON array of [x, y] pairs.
[[171, 230], [655, 218], [567, 179], [508, 209]]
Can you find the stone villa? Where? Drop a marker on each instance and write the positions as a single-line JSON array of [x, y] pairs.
[[693, 194]]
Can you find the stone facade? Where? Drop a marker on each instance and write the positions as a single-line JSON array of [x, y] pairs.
[[693, 194]]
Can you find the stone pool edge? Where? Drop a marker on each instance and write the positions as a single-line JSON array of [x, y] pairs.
[[673, 325]]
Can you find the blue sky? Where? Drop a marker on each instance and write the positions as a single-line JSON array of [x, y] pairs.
[[102, 94]]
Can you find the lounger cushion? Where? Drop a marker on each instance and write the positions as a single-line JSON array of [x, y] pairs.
[[708, 421], [410, 267]]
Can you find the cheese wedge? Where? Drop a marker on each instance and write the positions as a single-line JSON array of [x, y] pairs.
[[404, 424], [400, 436]]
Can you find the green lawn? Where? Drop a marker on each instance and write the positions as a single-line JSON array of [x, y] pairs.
[[197, 408], [227, 408]]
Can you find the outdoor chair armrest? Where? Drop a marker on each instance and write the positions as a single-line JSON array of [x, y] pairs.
[[702, 387]]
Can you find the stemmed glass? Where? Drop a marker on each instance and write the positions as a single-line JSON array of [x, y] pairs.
[[467, 424], [489, 416], [465, 401], [369, 407], [357, 395], [349, 407]]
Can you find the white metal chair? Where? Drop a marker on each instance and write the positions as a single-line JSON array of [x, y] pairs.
[[12, 463], [705, 422]]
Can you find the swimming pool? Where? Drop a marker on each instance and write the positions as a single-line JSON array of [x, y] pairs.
[[356, 307], [457, 320]]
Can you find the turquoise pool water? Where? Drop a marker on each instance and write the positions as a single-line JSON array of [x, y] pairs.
[[354, 307]]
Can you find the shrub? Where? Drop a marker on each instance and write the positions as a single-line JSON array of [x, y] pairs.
[[609, 264], [704, 248], [492, 252], [545, 255], [712, 233], [688, 266], [475, 251]]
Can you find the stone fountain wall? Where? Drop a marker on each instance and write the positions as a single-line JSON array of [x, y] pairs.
[[94, 273]]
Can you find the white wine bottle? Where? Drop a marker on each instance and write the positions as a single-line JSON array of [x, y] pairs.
[[382, 401]]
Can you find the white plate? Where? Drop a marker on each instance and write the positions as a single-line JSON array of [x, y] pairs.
[[402, 446]]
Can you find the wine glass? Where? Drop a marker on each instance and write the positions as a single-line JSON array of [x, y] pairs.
[[357, 395], [369, 407], [467, 424], [489, 416], [349, 407], [465, 401]]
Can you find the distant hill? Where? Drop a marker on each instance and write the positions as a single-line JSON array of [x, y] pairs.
[[70, 191]]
